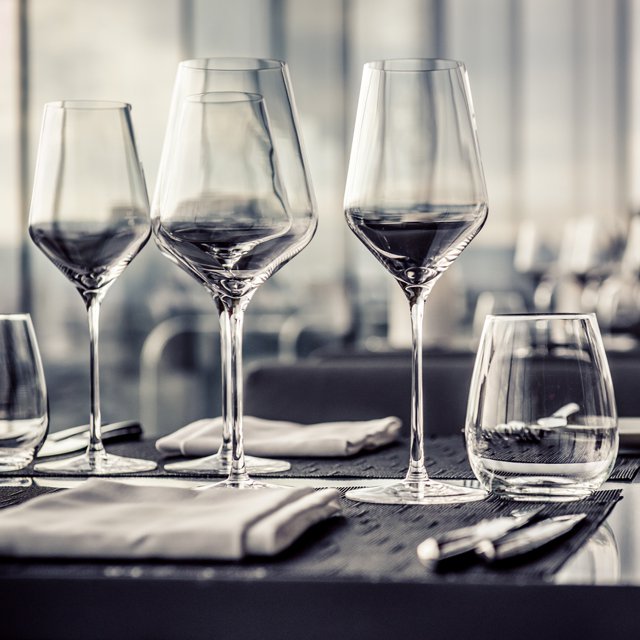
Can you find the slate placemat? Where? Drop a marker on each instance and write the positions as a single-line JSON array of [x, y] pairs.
[[368, 542], [446, 460]]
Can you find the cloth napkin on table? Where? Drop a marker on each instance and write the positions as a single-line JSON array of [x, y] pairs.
[[108, 519], [277, 438]]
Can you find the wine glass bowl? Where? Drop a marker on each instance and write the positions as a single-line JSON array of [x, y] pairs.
[[415, 197], [225, 217], [90, 216], [233, 204]]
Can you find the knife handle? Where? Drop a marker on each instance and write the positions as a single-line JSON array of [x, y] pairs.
[[529, 538], [109, 431], [431, 550]]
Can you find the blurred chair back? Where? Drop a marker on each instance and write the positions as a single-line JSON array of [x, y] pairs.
[[180, 372], [360, 388]]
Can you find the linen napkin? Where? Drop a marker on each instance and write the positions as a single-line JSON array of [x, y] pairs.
[[108, 519], [276, 438]]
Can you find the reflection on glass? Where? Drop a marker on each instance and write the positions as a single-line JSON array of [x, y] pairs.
[[597, 561]]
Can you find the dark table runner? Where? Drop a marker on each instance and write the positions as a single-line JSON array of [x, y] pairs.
[[369, 542], [446, 460]]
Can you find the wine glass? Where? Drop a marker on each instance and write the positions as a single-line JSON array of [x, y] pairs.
[[270, 79], [89, 216], [225, 216], [541, 421], [415, 197]]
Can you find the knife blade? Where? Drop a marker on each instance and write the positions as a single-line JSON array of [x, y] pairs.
[[77, 438], [529, 538], [465, 539]]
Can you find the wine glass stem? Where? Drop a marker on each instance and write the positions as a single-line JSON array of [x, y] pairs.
[[225, 450], [93, 300], [232, 397], [417, 471]]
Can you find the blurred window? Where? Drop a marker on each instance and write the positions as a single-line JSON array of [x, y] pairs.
[[556, 93]]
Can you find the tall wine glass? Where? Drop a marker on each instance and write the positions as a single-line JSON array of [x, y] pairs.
[[89, 216], [225, 216], [269, 79], [415, 197]]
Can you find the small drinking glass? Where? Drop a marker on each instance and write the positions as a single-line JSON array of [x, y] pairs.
[[541, 420], [24, 415]]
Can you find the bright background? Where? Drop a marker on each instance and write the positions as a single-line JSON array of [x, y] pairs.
[[557, 95]]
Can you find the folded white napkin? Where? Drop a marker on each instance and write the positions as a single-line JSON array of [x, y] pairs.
[[107, 519], [276, 438]]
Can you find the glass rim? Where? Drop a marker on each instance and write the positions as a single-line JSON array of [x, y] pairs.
[[15, 317], [88, 105], [225, 97], [232, 64], [540, 316], [414, 65]]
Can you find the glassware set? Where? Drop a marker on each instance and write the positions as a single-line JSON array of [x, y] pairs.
[[234, 203]]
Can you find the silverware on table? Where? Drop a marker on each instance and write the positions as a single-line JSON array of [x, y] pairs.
[[498, 538], [529, 538], [77, 438], [465, 539]]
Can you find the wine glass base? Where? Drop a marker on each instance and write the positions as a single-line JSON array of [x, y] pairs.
[[425, 492], [535, 493], [221, 465], [100, 465], [243, 485]]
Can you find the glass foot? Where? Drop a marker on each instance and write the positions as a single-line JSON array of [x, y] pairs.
[[424, 492], [221, 465], [243, 485], [105, 465], [535, 493]]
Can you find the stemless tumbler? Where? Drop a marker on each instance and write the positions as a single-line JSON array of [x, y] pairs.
[[541, 420], [24, 415]]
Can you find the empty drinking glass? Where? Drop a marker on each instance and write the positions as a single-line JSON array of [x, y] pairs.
[[24, 415], [541, 420]]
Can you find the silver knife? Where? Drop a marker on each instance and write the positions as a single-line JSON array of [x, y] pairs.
[[465, 539], [77, 438], [528, 538]]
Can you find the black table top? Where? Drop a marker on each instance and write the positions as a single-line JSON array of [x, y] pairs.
[[351, 577]]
